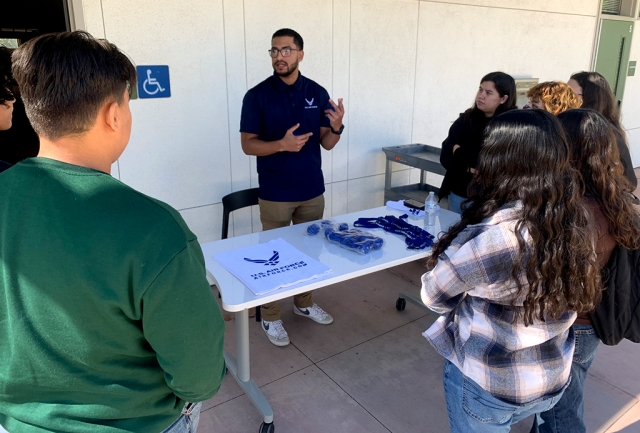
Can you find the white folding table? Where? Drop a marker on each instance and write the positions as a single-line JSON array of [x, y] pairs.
[[345, 264]]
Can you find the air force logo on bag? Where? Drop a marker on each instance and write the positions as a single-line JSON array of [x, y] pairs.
[[310, 103], [266, 267], [275, 258], [273, 261]]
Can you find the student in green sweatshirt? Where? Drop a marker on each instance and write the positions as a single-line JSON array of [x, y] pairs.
[[107, 322]]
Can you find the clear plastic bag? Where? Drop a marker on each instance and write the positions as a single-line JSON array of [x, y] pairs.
[[354, 239], [315, 228], [351, 239]]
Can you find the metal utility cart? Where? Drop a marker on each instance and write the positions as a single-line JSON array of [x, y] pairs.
[[422, 156], [427, 159]]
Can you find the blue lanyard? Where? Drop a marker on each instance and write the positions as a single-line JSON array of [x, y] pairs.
[[416, 238]]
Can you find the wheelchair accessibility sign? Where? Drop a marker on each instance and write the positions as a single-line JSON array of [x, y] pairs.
[[153, 81]]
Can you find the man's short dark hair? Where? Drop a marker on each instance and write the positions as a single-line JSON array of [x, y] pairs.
[[297, 39], [65, 78]]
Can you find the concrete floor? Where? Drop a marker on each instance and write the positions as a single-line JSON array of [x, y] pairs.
[[372, 371]]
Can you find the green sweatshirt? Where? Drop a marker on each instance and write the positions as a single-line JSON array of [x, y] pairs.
[[107, 322]]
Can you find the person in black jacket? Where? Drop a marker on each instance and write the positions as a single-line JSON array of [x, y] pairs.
[[459, 155], [596, 94]]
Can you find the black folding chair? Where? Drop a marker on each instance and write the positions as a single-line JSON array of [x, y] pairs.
[[232, 202]]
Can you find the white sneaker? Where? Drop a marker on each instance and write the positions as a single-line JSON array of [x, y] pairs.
[[314, 313], [276, 333]]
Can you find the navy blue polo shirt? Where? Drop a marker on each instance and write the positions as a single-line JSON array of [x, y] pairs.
[[269, 110]]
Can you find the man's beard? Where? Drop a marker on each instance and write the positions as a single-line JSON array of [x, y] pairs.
[[290, 70]]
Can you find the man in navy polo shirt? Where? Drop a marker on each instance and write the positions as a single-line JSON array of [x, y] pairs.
[[285, 119]]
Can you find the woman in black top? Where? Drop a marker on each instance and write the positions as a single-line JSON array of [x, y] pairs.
[[459, 155], [596, 94]]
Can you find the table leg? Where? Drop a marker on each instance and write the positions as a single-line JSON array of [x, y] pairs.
[[240, 369], [242, 345], [415, 300], [387, 176]]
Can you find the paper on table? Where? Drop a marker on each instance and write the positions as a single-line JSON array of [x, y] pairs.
[[399, 205], [264, 268]]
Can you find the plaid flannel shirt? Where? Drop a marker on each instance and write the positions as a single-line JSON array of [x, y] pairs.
[[472, 287]]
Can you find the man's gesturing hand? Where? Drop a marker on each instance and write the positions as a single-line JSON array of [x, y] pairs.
[[335, 116], [293, 143]]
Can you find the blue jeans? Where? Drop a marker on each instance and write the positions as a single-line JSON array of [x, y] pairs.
[[472, 409], [454, 203], [188, 421], [568, 415]]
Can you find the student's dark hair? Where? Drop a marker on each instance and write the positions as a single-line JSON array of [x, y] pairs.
[[595, 154], [597, 95], [6, 80], [505, 85], [65, 78], [525, 159], [297, 39]]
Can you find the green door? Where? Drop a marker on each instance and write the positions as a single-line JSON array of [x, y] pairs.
[[613, 53]]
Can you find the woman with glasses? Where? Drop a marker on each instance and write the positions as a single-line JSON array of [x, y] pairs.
[[6, 97], [496, 94], [18, 140]]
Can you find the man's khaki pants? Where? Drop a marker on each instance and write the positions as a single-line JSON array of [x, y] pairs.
[[275, 214]]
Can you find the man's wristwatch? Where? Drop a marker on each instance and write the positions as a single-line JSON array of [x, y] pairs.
[[339, 131]]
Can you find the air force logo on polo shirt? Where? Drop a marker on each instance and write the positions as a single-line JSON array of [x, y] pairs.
[[310, 103]]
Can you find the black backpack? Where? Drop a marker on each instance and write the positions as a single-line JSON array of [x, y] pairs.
[[617, 316]]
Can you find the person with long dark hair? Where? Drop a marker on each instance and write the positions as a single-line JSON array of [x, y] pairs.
[[510, 277], [459, 155], [6, 96], [595, 92], [7, 99], [18, 140], [594, 149]]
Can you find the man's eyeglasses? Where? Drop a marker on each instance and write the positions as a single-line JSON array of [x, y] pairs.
[[286, 52], [129, 89]]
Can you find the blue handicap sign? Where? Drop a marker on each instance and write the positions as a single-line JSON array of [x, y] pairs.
[[153, 81]]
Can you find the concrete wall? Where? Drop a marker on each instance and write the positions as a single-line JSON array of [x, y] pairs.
[[405, 69]]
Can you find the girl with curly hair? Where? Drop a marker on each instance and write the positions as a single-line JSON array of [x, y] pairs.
[[554, 97], [614, 222], [511, 276]]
